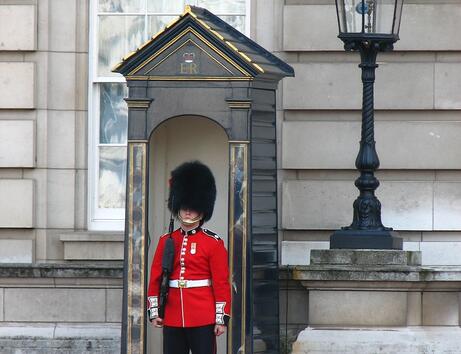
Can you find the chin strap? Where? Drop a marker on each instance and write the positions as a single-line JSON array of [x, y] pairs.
[[189, 221]]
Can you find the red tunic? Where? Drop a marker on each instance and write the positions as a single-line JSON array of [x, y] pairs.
[[199, 254]]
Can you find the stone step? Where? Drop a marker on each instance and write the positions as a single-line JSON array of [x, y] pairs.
[[410, 340], [365, 257]]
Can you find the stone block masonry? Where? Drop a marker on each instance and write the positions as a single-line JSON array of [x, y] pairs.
[[59, 338], [17, 28], [60, 308]]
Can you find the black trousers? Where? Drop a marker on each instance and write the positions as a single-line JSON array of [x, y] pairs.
[[179, 340]]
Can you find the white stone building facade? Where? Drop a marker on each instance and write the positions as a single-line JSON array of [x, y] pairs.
[[56, 206]]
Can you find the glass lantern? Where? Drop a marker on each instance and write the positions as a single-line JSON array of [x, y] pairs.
[[369, 18]]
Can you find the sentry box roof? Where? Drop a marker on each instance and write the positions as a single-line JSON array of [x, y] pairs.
[[200, 46]]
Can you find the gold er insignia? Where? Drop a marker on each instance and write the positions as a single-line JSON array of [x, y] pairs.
[[189, 67], [193, 248]]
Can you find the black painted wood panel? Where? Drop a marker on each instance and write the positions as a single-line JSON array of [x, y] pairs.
[[264, 239]]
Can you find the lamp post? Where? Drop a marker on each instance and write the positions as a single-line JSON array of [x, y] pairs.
[[369, 27]]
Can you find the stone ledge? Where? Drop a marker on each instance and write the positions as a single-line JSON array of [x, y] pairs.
[[381, 273], [58, 330], [396, 278], [63, 270]]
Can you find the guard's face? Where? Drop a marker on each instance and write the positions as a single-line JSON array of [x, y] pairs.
[[189, 214]]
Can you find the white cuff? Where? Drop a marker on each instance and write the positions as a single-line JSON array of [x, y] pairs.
[[220, 313], [219, 319], [153, 307], [153, 301]]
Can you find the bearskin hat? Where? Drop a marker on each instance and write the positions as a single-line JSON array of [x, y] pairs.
[[192, 186]]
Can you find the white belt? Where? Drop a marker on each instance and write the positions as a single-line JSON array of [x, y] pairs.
[[189, 283]]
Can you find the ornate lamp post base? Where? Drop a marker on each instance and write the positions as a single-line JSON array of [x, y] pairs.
[[367, 231], [366, 239]]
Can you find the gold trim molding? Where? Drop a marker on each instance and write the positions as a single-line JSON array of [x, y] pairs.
[[187, 78], [179, 37], [239, 141], [189, 12], [138, 103], [138, 141], [190, 40], [239, 104]]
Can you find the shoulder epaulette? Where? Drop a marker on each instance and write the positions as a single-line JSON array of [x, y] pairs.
[[211, 233]]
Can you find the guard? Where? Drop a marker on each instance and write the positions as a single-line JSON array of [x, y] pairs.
[[189, 292]]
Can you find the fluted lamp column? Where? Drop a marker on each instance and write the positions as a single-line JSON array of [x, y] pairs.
[[369, 27]]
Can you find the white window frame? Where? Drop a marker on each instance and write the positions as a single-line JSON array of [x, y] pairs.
[[100, 219]]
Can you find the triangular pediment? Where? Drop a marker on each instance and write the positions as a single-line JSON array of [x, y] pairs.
[[200, 46], [188, 55]]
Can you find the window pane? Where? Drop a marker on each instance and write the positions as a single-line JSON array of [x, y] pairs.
[[157, 23], [112, 177], [354, 10], [118, 36], [121, 6], [113, 113], [238, 22], [165, 6], [223, 6], [383, 17]]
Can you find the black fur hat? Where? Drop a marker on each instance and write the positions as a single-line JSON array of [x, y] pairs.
[[192, 186]]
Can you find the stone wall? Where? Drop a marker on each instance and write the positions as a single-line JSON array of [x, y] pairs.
[[51, 308], [43, 139], [43, 128], [418, 124], [43, 184], [417, 102], [43, 113]]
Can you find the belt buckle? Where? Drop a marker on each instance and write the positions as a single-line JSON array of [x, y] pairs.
[[182, 283]]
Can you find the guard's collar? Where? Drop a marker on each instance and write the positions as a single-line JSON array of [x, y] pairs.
[[190, 232]]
